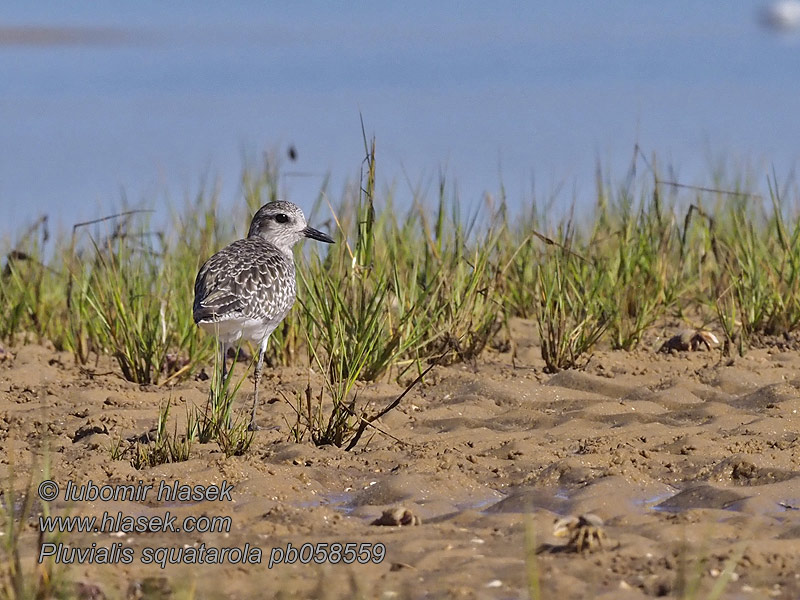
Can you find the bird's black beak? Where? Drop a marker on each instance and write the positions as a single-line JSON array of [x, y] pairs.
[[315, 234]]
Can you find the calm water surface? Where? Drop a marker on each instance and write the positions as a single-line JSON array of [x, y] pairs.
[[150, 98]]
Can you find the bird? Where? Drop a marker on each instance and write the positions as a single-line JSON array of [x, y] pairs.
[[781, 16], [245, 290]]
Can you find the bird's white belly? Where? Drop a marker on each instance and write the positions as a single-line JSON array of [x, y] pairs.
[[231, 330]]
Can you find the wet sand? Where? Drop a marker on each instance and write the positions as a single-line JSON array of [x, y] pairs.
[[686, 459]]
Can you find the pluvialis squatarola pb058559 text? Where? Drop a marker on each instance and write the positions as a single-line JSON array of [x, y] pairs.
[[246, 289]]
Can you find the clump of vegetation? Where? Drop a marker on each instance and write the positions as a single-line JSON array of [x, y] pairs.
[[335, 427], [215, 421], [154, 448], [570, 313]]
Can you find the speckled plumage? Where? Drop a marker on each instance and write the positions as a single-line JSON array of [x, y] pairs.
[[250, 280], [245, 290]]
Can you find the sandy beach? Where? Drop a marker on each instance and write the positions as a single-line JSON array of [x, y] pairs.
[[684, 459]]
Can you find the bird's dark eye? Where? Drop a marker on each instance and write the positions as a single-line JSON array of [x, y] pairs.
[[281, 218]]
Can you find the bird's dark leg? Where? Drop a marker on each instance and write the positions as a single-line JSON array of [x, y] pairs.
[[223, 383], [223, 350], [257, 377]]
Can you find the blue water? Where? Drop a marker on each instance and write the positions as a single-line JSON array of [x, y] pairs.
[[149, 99]]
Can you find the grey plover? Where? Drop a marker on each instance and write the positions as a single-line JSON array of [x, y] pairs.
[[246, 289]]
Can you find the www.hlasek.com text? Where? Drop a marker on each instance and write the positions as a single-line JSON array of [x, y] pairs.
[[118, 522]]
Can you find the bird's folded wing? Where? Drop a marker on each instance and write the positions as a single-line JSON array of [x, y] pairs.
[[237, 282]]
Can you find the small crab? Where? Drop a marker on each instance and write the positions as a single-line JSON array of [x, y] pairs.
[[689, 339], [397, 517], [585, 532]]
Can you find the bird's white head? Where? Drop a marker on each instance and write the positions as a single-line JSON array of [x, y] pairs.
[[283, 224]]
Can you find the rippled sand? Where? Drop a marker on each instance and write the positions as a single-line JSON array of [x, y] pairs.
[[685, 458]]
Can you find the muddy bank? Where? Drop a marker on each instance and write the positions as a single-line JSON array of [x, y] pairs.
[[685, 460]]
